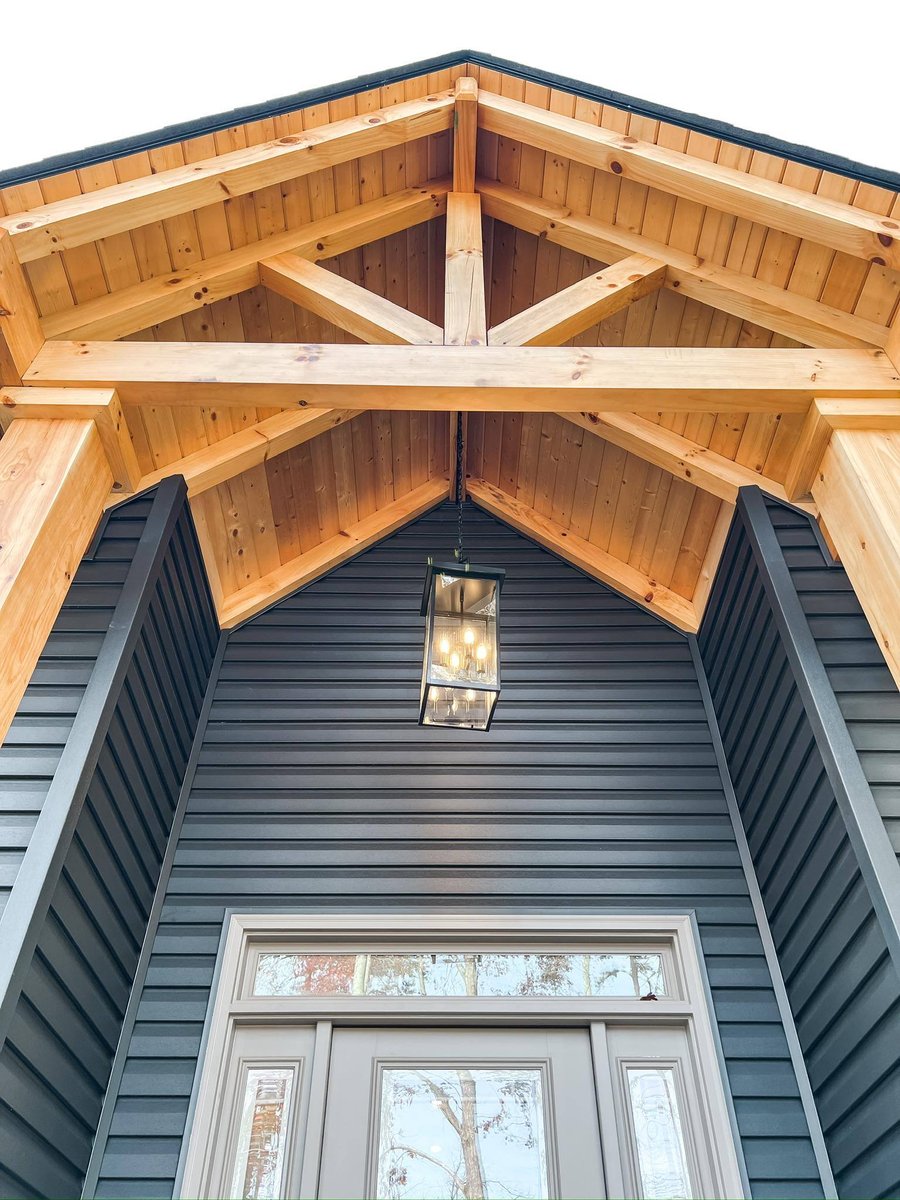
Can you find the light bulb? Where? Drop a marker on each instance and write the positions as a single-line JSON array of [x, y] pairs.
[[470, 694], [454, 661], [481, 652], [469, 636], [444, 645]]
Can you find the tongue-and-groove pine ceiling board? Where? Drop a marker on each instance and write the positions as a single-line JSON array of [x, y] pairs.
[[264, 517]]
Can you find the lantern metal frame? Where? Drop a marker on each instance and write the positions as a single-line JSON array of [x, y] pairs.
[[460, 570]]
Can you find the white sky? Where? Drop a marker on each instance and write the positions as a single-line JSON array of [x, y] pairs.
[[811, 72]]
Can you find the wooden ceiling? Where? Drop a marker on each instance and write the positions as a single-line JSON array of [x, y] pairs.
[[639, 500]]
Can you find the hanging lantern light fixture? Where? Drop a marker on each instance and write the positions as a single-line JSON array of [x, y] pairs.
[[461, 606]]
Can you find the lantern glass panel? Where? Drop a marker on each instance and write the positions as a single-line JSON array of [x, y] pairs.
[[464, 631], [461, 677]]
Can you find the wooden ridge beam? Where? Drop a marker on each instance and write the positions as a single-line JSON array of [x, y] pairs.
[[334, 551], [552, 321], [742, 296], [488, 378], [135, 308], [594, 561], [207, 468], [54, 478], [52, 228], [100, 405], [363, 313], [465, 131], [465, 320], [687, 460], [856, 489], [803, 214], [20, 327]]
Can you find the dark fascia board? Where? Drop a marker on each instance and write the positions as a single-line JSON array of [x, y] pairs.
[[92, 155]]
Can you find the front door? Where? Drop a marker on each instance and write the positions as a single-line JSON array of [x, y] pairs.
[[423, 1114]]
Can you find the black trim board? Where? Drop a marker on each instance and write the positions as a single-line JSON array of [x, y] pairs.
[[865, 827], [91, 155]]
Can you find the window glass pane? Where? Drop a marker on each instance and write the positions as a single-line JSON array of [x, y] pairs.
[[459, 1133], [459, 974], [259, 1161], [661, 1155]]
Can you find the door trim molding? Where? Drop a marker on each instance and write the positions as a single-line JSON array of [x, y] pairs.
[[230, 1007]]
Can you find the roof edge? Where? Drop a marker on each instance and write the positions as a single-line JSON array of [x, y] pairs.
[[92, 155]]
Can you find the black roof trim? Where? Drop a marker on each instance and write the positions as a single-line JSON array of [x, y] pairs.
[[818, 159]]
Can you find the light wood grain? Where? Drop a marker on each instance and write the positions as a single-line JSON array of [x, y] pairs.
[[465, 322], [583, 554], [492, 378], [20, 328], [465, 130], [553, 321], [330, 553], [52, 228], [54, 478], [751, 299], [803, 214], [363, 313], [859, 498]]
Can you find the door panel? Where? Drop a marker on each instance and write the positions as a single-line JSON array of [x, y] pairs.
[[421, 1114]]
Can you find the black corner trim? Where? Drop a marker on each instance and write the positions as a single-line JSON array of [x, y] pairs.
[[818, 159], [29, 900], [865, 827]]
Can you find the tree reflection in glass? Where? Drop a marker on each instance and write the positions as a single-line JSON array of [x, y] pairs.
[[453, 973], [462, 1134], [659, 1138]]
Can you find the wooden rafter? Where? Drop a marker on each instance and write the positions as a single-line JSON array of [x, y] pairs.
[[696, 464], [587, 557], [742, 296], [802, 214], [207, 468], [465, 322], [329, 554], [135, 308], [489, 378], [346, 304], [85, 218], [553, 321]]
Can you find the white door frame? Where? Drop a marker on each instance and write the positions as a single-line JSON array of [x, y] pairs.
[[687, 1005]]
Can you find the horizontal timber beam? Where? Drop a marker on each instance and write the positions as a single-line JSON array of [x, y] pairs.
[[486, 378], [802, 214], [100, 405], [696, 464], [583, 554], [740, 295], [363, 313], [135, 308], [52, 228], [552, 321], [54, 478], [207, 468], [334, 551]]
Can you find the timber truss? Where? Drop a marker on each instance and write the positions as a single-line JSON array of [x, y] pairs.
[[70, 381]]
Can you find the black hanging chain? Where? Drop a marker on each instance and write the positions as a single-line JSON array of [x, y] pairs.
[[459, 552]]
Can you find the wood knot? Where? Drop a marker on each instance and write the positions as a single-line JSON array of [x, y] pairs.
[[616, 168], [885, 239], [290, 140]]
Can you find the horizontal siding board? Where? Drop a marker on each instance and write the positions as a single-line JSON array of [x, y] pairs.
[[842, 987], [597, 790], [55, 1064]]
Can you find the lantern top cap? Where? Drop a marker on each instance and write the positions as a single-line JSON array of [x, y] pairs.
[[461, 570]]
